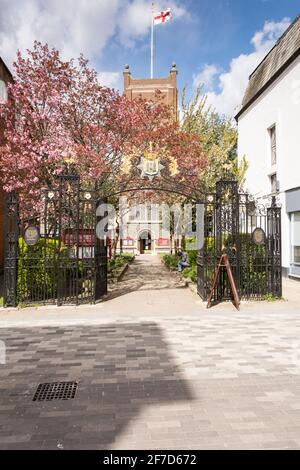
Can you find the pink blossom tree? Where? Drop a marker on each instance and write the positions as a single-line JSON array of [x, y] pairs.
[[58, 113]]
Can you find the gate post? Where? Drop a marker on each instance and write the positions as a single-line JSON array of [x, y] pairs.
[[227, 230], [274, 249], [11, 250], [100, 253], [68, 219]]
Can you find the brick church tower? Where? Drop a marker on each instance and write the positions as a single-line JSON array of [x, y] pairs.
[[146, 88], [147, 240]]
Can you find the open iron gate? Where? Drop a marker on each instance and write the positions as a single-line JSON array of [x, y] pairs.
[[55, 257], [250, 234]]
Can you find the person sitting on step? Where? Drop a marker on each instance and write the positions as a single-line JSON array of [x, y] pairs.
[[183, 263]]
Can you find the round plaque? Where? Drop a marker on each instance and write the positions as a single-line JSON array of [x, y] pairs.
[[31, 235], [259, 236]]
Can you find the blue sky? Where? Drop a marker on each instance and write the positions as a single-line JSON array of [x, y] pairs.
[[217, 42]]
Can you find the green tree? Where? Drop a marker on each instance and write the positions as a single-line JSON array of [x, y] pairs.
[[218, 139]]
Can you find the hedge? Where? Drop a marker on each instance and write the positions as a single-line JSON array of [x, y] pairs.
[[252, 262], [38, 268]]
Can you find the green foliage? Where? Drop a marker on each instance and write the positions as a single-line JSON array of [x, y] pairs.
[[32, 276], [272, 298], [116, 264], [190, 273], [192, 257], [218, 138], [38, 267], [171, 261], [253, 263], [1, 301]]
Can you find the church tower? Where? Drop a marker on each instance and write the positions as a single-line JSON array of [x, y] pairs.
[[145, 88], [145, 240]]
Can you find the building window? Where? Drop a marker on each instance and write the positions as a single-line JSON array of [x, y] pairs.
[[3, 91], [272, 133], [295, 237], [274, 183], [134, 213]]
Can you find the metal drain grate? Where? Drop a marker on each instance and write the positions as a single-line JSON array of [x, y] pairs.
[[55, 391]]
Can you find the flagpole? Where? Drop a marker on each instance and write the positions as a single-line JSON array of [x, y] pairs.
[[152, 40]]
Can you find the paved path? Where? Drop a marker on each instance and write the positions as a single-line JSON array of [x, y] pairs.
[[155, 370]]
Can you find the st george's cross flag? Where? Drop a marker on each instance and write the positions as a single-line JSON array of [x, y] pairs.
[[162, 17]]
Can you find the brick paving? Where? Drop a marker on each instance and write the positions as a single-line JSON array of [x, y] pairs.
[[155, 369]]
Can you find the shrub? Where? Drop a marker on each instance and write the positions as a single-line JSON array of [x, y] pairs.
[[38, 268], [171, 261], [253, 264], [190, 273], [192, 257], [116, 264]]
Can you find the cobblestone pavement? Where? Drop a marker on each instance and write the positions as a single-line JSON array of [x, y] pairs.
[[155, 369]]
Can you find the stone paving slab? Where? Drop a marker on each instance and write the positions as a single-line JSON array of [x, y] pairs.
[[165, 395], [160, 373]]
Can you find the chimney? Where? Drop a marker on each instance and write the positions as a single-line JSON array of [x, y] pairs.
[[127, 77], [173, 74]]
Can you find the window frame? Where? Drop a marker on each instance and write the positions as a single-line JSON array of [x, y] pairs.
[[273, 143], [292, 221], [273, 175]]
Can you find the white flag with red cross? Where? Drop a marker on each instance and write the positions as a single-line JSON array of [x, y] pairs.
[[162, 17]]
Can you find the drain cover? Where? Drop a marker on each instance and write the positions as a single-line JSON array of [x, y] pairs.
[[55, 391]]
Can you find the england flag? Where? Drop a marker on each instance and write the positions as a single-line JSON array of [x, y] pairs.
[[162, 17]]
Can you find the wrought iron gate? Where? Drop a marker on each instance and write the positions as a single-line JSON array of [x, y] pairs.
[[250, 234], [55, 256]]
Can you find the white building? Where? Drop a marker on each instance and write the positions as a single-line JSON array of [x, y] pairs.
[[144, 231], [269, 138]]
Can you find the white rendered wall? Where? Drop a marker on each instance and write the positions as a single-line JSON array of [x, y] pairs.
[[280, 105]]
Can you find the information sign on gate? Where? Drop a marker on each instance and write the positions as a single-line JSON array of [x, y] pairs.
[[31, 235]]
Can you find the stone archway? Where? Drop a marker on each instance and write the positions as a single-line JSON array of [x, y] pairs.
[[146, 242]]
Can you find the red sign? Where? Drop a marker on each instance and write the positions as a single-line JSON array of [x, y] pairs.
[[84, 237], [128, 241], [163, 242]]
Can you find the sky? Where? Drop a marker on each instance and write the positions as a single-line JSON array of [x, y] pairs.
[[216, 43]]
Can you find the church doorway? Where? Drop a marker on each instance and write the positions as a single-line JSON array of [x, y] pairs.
[[145, 242]]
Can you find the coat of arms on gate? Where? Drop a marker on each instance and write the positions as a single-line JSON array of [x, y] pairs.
[[150, 165]]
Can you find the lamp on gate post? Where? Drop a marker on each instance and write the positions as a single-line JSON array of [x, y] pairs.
[[70, 170], [228, 174]]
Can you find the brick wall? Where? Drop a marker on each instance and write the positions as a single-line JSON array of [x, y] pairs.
[[146, 88]]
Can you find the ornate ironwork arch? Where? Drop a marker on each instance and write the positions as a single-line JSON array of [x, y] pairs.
[[158, 189]]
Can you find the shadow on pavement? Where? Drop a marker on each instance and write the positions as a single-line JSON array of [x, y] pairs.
[[120, 368]]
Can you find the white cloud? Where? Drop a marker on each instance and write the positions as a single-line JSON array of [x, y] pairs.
[[110, 79], [265, 39], [228, 96], [206, 77], [75, 26], [136, 18]]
